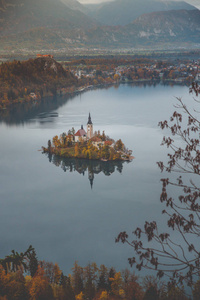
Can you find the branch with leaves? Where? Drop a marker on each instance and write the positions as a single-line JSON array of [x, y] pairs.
[[179, 259]]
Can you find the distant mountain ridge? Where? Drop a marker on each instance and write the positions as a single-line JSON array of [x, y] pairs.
[[21, 15], [75, 5], [168, 26], [176, 27], [50, 24], [123, 12]]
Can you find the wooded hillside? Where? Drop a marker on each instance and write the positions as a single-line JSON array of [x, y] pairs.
[[24, 80]]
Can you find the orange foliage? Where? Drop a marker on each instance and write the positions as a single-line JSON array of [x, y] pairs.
[[39, 285]]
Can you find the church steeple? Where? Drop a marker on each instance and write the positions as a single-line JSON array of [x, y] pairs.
[[89, 119], [89, 128], [91, 177]]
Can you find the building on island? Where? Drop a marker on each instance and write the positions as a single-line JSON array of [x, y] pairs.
[[82, 134], [89, 128], [96, 141], [95, 138]]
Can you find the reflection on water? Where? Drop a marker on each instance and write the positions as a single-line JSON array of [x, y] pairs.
[[26, 112], [45, 109], [41, 110], [92, 167]]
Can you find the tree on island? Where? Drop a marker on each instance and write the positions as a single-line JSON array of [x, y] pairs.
[[178, 259]]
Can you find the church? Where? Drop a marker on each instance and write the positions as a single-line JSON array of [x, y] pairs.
[[82, 134]]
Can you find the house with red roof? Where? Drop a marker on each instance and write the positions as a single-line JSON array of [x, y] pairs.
[[96, 141]]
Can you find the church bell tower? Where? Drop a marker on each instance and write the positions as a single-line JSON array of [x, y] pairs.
[[89, 128]]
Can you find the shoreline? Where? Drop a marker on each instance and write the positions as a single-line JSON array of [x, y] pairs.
[[64, 92], [45, 151]]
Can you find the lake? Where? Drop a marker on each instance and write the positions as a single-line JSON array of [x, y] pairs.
[[53, 205]]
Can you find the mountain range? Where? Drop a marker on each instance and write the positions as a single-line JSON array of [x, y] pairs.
[[56, 24], [123, 12]]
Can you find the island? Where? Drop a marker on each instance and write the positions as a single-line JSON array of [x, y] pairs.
[[88, 145]]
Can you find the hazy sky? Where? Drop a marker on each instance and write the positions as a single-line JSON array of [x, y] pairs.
[[193, 2]]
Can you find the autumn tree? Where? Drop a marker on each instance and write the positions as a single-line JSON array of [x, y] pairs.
[[80, 296], [12, 285], [76, 150], [116, 77], [116, 284], [105, 152], [104, 295], [177, 258], [133, 290], [119, 146], [39, 286], [56, 141], [52, 271]]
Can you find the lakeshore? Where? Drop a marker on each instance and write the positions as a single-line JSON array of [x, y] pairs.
[[33, 80]]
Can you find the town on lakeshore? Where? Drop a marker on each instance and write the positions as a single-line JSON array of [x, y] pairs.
[[35, 79], [88, 144]]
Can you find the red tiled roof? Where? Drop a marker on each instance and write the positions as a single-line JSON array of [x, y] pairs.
[[80, 132], [95, 139], [108, 142]]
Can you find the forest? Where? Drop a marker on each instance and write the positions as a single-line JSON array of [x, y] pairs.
[[23, 276], [25, 81]]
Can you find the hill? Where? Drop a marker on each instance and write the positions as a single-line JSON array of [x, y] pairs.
[[18, 16], [123, 12], [32, 79]]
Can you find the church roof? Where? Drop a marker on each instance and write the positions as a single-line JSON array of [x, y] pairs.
[[80, 132]]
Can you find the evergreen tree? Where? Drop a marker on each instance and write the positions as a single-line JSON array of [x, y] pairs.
[[111, 274], [151, 294], [68, 291], [33, 263], [90, 277], [103, 278], [63, 280], [77, 278]]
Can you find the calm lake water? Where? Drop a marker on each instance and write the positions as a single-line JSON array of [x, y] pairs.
[[51, 205]]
